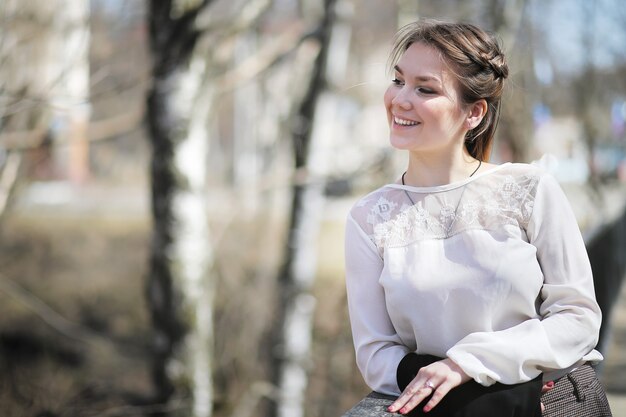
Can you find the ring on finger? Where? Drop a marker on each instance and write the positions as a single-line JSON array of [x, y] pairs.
[[430, 385]]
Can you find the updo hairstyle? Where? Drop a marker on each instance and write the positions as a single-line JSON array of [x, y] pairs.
[[475, 58]]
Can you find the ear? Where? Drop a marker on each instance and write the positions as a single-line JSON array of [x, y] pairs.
[[478, 110]]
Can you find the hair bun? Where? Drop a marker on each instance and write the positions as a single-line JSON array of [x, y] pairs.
[[499, 66]]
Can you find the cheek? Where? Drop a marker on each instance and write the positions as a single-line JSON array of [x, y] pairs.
[[457, 119], [388, 97], [447, 116]]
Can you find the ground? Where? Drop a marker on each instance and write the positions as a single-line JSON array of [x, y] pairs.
[[74, 327]]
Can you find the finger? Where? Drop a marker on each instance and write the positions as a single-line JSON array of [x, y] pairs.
[[547, 387], [402, 399], [438, 395], [415, 391], [401, 402], [408, 392], [412, 389], [415, 400]]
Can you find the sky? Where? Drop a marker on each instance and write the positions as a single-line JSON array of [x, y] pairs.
[[579, 30], [573, 29]]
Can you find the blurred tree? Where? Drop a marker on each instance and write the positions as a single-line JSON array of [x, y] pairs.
[[71, 92], [586, 91], [44, 90], [509, 20], [294, 316], [180, 288]]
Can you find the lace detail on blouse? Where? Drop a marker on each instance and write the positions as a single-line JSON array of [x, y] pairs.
[[487, 203]]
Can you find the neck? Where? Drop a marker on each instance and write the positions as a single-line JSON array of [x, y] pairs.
[[430, 171]]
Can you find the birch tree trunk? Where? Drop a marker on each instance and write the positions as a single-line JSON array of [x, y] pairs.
[[245, 129], [292, 338], [75, 55], [66, 84], [180, 288]]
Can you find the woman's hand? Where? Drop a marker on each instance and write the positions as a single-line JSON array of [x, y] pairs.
[[437, 379], [546, 387]]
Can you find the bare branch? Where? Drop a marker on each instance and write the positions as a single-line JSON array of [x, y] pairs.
[[96, 131], [8, 178], [269, 55], [115, 126], [244, 19], [23, 140]]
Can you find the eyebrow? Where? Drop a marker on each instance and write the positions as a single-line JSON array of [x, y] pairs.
[[419, 77]]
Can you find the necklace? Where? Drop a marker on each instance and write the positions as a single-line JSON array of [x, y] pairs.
[[453, 214], [480, 162]]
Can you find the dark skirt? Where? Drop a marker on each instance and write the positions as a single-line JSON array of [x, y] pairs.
[[472, 399], [577, 394]]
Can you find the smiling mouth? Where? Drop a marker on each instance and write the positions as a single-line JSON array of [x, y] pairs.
[[404, 122]]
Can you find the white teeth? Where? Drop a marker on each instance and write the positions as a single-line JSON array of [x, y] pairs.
[[404, 122]]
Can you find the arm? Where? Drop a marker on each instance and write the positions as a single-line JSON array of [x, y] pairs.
[[570, 317], [377, 345]]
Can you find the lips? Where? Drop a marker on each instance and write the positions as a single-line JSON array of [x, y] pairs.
[[404, 122]]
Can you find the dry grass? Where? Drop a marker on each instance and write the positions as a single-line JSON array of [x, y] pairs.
[[91, 274], [91, 271]]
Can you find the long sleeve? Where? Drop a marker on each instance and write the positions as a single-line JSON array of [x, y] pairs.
[[567, 327], [378, 347]]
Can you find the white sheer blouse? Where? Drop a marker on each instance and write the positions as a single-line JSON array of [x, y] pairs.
[[491, 272]]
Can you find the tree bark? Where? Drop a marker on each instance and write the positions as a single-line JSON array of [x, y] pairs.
[[294, 316], [179, 288]]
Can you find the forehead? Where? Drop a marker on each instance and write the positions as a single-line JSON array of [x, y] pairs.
[[421, 59]]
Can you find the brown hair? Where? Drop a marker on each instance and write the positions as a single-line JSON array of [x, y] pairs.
[[475, 58]]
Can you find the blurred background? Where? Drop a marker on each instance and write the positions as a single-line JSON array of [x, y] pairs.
[[175, 175]]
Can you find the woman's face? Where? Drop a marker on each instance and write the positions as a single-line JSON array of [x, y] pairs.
[[424, 109]]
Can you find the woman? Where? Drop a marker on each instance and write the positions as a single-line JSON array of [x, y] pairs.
[[480, 266]]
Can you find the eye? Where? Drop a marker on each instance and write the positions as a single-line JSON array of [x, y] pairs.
[[397, 81], [425, 90]]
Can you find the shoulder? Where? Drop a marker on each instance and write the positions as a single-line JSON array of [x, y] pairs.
[[523, 170], [534, 188], [535, 175], [381, 198], [523, 177], [378, 206], [508, 192]]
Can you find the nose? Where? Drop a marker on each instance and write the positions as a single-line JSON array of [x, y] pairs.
[[401, 99]]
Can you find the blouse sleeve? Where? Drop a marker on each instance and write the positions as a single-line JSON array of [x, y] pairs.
[[570, 318], [378, 347]]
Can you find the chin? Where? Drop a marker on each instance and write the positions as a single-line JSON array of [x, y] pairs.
[[402, 144]]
